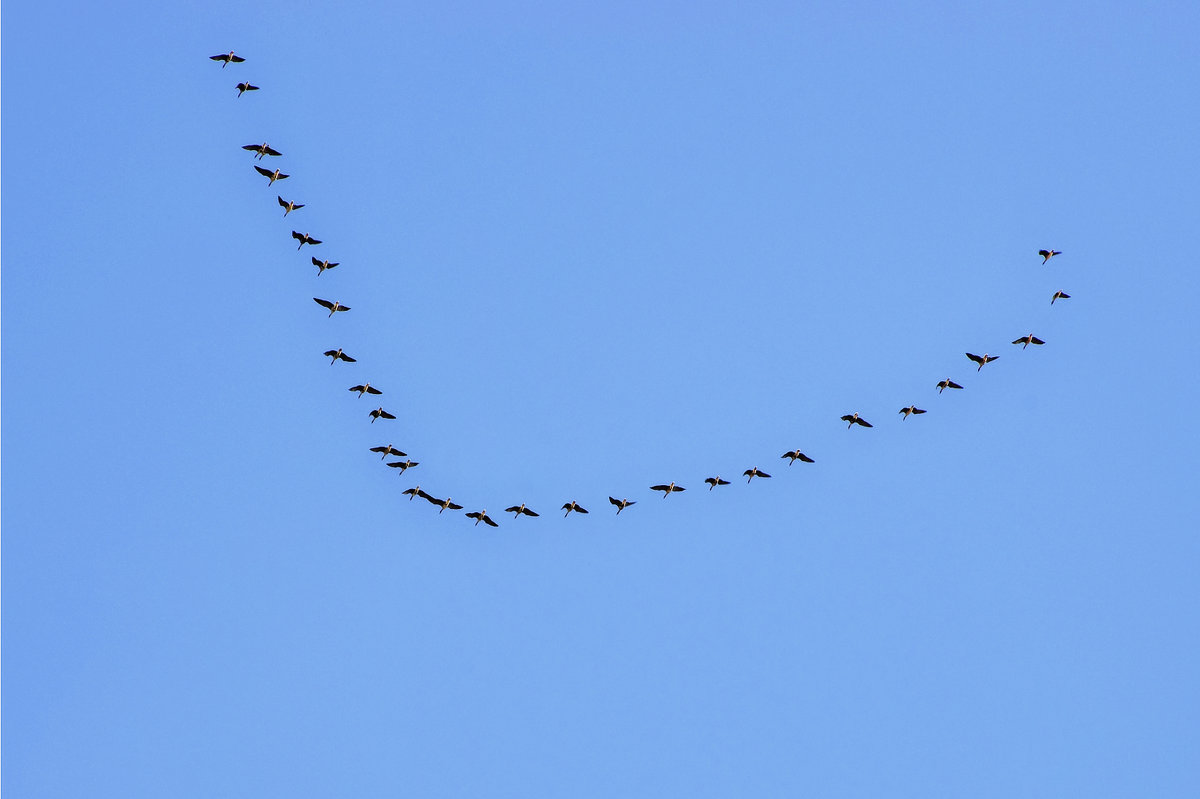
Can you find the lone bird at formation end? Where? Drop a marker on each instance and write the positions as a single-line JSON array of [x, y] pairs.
[[227, 58], [1060, 295], [1048, 254]]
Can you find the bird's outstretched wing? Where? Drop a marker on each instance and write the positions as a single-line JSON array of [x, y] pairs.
[[386, 415], [488, 521], [325, 304], [373, 390], [804, 458], [615, 501], [863, 422], [271, 151], [452, 506], [975, 358], [266, 173], [657, 488]]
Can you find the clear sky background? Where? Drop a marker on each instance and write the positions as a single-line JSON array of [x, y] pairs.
[[590, 249]]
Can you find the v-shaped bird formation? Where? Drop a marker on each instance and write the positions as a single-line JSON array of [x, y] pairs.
[[388, 450]]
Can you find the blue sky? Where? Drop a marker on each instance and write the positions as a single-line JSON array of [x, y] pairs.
[[587, 250]]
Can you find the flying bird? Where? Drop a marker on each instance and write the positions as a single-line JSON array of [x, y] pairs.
[[750, 474], [365, 388], [333, 307], [388, 449], [288, 206], [442, 503], [380, 413], [245, 87], [304, 238], [911, 409], [517, 510], [621, 504], [1048, 254], [228, 58], [270, 176], [797, 455], [481, 516], [853, 419], [415, 492], [713, 482], [1060, 295], [945, 384], [403, 466], [321, 265], [982, 359], [1025, 341], [261, 149], [667, 489], [336, 355], [573, 506]]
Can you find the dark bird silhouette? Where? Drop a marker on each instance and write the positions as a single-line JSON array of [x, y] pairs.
[[982, 359], [713, 482], [380, 413], [322, 265], [304, 238], [333, 307], [405, 465], [261, 149], [853, 419], [911, 409], [945, 384], [270, 176], [288, 206], [667, 489], [797, 455], [1048, 254], [442, 503], [227, 58], [336, 355], [517, 510], [621, 504], [573, 506], [245, 87], [1025, 341], [415, 492], [388, 449], [751, 473], [1060, 295], [365, 388], [481, 516]]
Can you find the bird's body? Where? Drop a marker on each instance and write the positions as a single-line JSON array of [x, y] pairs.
[[796, 455], [753, 472], [982, 360], [227, 59], [333, 307], [911, 409], [388, 449], [365, 388], [261, 149], [517, 510], [713, 482], [621, 504], [380, 413], [245, 87], [945, 384], [269, 175], [288, 205], [1025, 341], [667, 489], [573, 506], [304, 238], [854, 419], [481, 516], [336, 355], [322, 265], [1060, 295], [404, 465], [1048, 254]]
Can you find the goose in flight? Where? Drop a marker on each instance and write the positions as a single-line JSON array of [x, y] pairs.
[[365, 388], [333, 307], [227, 58], [667, 489], [288, 206], [911, 409], [1060, 295], [388, 449], [481, 516], [442, 503], [517, 510], [621, 504], [751, 473], [261, 149], [982, 359], [1048, 254], [853, 419], [415, 492], [945, 384], [336, 355], [270, 176], [380, 413], [797, 455], [405, 465], [304, 238], [573, 506], [1025, 341], [245, 87], [713, 482], [322, 265]]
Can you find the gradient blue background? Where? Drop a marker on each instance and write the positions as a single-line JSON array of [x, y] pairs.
[[589, 249]]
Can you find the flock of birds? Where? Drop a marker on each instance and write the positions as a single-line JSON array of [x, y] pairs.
[[388, 450]]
